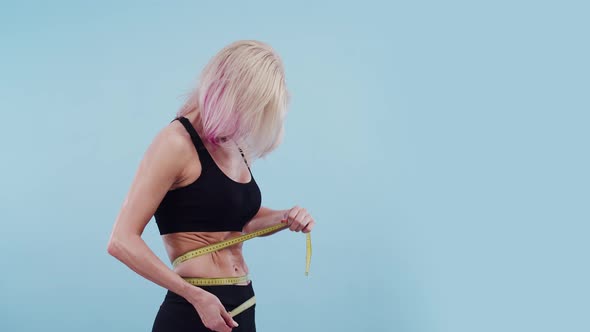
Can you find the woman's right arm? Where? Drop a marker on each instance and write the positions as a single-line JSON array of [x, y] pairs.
[[162, 166]]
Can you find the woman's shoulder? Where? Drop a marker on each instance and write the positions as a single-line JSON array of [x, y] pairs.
[[174, 139], [171, 145]]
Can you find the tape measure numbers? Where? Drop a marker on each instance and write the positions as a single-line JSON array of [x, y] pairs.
[[216, 281]]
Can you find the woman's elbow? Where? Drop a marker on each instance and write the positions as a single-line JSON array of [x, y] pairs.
[[113, 247], [117, 245]]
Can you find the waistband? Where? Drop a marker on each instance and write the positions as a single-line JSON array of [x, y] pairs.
[[230, 296]]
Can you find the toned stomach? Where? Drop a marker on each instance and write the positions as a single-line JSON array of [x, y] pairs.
[[227, 262]]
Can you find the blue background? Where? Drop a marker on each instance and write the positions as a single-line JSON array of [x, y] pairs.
[[442, 148]]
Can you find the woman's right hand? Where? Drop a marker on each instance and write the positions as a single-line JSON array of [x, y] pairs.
[[213, 313]]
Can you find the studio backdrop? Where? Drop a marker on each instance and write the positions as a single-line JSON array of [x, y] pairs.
[[442, 147]]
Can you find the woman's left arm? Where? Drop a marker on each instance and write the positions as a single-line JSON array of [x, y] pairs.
[[297, 218]]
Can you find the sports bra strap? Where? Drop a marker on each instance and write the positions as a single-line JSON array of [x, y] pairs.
[[243, 157], [204, 155], [199, 143]]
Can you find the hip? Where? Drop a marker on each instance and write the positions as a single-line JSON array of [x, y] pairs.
[[176, 314]]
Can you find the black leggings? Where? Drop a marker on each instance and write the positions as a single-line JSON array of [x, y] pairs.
[[176, 314]]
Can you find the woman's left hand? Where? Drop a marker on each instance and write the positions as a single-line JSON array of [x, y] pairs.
[[298, 219]]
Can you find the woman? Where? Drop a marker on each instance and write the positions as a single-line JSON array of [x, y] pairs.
[[195, 178]]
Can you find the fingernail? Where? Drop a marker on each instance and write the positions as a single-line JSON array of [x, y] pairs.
[[236, 324]]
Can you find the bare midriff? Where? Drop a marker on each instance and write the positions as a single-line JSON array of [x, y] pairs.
[[227, 262]]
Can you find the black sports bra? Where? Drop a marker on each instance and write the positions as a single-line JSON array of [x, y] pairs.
[[212, 203]]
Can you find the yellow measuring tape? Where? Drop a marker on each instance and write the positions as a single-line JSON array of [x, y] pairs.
[[216, 281], [250, 302], [235, 280]]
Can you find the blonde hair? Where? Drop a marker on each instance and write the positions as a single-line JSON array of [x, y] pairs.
[[242, 96]]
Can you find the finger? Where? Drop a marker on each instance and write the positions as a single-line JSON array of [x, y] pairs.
[[228, 319], [292, 215], [303, 223], [309, 227], [221, 327], [218, 326], [297, 219]]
